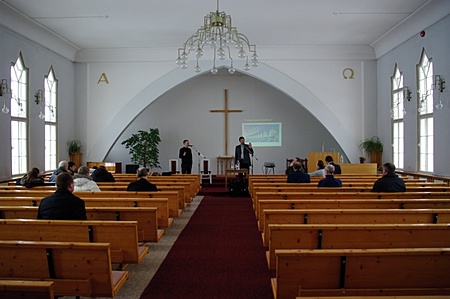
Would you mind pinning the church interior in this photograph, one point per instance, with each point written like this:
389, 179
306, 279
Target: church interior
316, 77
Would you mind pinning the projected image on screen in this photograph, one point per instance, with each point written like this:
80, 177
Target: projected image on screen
262, 134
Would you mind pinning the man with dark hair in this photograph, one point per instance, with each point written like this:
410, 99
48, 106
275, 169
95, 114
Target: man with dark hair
101, 174
242, 154
389, 182
298, 176
62, 205
337, 167
142, 184
186, 158
329, 180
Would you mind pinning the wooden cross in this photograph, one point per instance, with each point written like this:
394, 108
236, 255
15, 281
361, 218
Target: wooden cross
226, 111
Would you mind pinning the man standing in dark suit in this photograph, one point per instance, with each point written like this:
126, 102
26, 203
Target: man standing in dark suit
62, 205
142, 184
337, 167
186, 158
242, 154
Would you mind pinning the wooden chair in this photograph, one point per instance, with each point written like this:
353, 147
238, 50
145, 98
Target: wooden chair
174, 166
205, 171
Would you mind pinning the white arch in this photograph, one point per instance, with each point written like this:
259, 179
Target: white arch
264, 73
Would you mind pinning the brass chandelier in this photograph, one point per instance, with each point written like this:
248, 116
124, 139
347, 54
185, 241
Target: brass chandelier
224, 39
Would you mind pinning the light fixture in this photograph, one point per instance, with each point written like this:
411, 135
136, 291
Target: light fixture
406, 93
218, 33
4, 91
439, 83
40, 99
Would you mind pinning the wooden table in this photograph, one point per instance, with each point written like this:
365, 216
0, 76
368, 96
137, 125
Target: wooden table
234, 172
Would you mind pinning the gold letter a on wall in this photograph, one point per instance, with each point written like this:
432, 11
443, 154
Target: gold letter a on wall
103, 79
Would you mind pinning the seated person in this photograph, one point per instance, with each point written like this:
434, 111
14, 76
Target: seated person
291, 165
337, 167
389, 182
142, 184
32, 179
62, 167
320, 169
101, 174
298, 176
83, 182
72, 168
62, 205
329, 180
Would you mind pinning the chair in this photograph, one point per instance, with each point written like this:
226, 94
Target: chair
268, 166
205, 171
174, 166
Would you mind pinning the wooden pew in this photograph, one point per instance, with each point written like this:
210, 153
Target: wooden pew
352, 216
122, 235
332, 272
192, 178
174, 197
145, 217
20, 289
298, 204
76, 269
360, 236
162, 212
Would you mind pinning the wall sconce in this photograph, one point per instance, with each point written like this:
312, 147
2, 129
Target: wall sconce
439, 83
406, 93
4, 90
40, 99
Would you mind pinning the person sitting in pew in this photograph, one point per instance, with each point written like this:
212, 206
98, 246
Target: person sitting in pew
32, 179
389, 182
83, 182
142, 184
298, 176
62, 167
101, 174
62, 205
320, 169
337, 167
329, 180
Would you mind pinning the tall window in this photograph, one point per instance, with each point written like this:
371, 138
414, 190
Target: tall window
19, 113
397, 113
425, 115
49, 110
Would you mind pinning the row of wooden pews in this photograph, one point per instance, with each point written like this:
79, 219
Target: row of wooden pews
348, 242
84, 258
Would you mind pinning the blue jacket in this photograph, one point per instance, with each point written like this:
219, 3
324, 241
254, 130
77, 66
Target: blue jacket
330, 181
298, 177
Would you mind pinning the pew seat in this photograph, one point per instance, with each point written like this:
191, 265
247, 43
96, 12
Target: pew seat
20, 289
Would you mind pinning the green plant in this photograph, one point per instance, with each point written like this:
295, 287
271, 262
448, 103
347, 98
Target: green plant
73, 146
143, 148
371, 145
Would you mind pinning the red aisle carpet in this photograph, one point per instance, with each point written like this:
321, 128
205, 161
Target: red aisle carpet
219, 254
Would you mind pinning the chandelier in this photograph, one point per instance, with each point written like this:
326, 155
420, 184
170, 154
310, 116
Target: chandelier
224, 39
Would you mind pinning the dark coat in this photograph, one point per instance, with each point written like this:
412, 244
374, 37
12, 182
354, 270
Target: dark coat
185, 158
298, 177
141, 185
102, 175
330, 181
55, 174
62, 205
337, 168
390, 182
247, 151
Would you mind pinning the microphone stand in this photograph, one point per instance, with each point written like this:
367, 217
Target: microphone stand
252, 155
198, 157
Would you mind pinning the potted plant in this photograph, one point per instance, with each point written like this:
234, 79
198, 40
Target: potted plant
143, 148
74, 149
374, 147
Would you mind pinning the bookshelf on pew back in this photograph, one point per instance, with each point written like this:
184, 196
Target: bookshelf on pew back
162, 212
76, 269
352, 216
122, 235
362, 236
145, 217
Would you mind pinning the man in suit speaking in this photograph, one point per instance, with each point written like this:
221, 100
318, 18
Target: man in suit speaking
242, 154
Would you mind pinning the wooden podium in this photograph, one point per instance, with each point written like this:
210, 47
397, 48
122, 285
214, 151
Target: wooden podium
313, 157
224, 163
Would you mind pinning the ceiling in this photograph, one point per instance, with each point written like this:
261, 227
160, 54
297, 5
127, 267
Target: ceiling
101, 24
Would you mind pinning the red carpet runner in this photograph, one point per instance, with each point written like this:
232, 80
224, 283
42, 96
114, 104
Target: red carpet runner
219, 254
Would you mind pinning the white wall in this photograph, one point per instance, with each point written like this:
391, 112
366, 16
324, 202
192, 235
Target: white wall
407, 55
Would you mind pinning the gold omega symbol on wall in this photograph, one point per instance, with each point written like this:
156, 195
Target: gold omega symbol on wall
348, 73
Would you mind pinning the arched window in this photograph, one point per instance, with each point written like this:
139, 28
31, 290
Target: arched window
19, 117
48, 112
425, 115
397, 113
